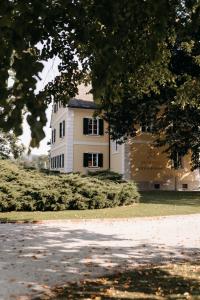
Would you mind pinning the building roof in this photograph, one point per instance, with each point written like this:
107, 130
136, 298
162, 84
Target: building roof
78, 103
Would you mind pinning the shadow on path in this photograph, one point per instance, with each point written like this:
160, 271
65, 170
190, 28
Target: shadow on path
33, 258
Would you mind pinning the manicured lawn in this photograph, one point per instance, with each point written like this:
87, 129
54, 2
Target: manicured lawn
174, 281
151, 204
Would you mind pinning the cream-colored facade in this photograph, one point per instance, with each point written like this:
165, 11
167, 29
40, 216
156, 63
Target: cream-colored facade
75, 149
68, 149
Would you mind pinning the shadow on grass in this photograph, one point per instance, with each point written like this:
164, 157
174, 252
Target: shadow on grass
141, 283
171, 198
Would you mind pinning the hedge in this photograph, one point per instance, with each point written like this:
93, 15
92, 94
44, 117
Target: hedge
106, 174
31, 190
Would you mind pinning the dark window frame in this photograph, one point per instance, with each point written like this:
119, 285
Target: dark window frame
95, 158
93, 126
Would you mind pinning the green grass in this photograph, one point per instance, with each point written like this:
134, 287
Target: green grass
151, 204
173, 281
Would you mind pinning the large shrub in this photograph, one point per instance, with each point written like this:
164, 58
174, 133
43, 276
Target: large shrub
106, 174
30, 190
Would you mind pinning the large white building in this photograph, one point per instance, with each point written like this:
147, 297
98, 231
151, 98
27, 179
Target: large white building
80, 143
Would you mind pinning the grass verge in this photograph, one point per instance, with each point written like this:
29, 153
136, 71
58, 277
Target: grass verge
151, 204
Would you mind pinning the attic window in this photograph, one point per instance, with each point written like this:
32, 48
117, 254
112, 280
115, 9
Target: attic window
177, 161
147, 127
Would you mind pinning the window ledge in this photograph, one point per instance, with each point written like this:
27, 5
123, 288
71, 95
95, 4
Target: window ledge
97, 135
93, 167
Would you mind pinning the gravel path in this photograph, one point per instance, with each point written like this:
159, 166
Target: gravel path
36, 257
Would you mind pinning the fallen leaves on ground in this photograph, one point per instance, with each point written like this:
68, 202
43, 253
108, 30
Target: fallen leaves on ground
173, 281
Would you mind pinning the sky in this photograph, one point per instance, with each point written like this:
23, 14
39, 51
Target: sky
49, 72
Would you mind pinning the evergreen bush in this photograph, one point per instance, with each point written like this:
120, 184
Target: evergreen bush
106, 174
32, 190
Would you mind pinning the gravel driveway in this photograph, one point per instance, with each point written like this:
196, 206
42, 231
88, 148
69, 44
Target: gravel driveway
36, 257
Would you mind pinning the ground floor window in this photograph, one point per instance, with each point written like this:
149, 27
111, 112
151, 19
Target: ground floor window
57, 162
93, 160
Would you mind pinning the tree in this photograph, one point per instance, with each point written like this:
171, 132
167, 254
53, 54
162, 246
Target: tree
176, 126
10, 146
124, 48
36, 161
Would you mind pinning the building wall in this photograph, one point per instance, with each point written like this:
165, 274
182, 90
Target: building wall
78, 157
87, 143
137, 160
117, 158
79, 115
150, 166
59, 147
75, 143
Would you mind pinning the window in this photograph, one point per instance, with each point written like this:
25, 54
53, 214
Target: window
63, 162
53, 136
60, 161
157, 186
114, 147
53, 163
147, 127
62, 129
57, 161
177, 161
184, 186
93, 126
93, 160
55, 107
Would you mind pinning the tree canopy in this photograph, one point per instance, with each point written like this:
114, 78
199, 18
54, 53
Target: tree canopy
132, 52
173, 110
10, 146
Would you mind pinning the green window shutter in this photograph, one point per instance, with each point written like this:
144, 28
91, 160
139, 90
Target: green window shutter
85, 159
85, 125
60, 133
101, 127
100, 160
